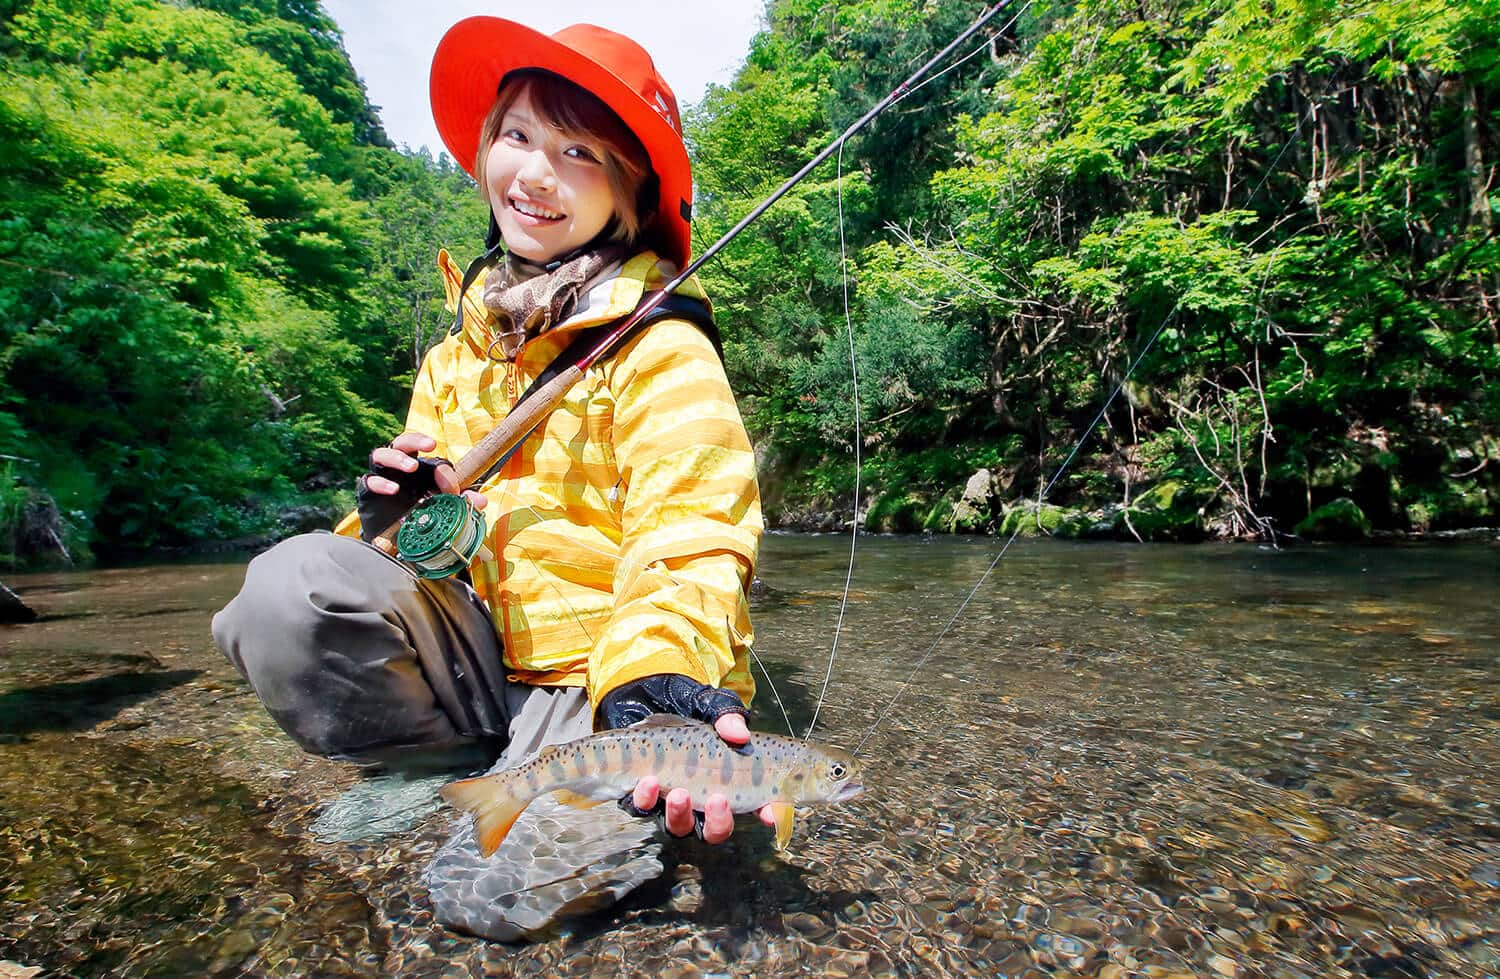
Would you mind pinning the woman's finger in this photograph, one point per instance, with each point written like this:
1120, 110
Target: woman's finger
381, 485
732, 728
647, 790
679, 812
393, 458
476, 499
413, 442
718, 821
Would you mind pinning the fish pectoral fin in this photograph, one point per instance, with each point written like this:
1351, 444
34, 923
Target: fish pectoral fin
784, 814
495, 810
577, 800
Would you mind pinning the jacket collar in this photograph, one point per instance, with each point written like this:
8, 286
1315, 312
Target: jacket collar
610, 299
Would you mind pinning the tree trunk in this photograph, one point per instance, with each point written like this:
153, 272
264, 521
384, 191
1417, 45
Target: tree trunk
1479, 191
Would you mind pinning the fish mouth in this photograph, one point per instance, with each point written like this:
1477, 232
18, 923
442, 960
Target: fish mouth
847, 792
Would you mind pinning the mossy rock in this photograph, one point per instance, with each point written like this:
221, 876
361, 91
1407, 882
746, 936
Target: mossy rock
1105, 524
1339, 519
1166, 495
959, 517
969, 510
943, 516
895, 513
1040, 521
1419, 516
1169, 510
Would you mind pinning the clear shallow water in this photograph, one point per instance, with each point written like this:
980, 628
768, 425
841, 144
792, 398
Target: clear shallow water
1122, 760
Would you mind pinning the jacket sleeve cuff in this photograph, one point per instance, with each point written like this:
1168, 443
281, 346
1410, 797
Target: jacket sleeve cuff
665, 662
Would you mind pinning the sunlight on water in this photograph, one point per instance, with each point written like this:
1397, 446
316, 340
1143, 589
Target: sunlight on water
1122, 760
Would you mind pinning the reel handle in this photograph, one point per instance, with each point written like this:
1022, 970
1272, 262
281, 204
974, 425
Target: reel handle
501, 441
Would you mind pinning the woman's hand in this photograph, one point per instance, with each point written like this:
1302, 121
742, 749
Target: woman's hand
671, 693
718, 820
398, 478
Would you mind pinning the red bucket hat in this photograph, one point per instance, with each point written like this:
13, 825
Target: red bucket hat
478, 52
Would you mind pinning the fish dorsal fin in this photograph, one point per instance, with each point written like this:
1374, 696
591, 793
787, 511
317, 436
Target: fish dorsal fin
667, 720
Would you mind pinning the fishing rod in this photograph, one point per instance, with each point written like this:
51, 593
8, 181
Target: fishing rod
445, 531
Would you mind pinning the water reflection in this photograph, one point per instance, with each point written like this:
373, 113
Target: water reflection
1119, 761
82, 705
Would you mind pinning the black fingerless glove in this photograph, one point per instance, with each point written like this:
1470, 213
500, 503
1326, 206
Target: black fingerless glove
667, 693
378, 511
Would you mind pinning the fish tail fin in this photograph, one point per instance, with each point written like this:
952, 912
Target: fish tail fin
495, 809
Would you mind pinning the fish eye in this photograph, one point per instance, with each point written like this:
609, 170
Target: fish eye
838, 770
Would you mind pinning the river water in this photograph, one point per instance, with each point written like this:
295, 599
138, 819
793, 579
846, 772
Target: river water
1216, 760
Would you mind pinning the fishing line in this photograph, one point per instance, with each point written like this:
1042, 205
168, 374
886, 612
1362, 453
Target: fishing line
1072, 454
854, 370
776, 695
1077, 446
966, 58
838, 627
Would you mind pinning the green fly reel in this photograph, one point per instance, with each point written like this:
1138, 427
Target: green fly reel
440, 537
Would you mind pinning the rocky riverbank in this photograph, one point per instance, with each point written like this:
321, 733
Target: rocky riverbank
1171, 510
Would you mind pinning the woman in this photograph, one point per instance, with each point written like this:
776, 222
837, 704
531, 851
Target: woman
622, 534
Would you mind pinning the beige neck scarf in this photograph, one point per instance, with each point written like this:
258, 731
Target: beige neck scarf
528, 300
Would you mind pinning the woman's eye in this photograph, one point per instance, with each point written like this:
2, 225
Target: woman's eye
515, 135
583, 153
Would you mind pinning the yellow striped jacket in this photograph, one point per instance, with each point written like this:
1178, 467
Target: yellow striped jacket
624, 530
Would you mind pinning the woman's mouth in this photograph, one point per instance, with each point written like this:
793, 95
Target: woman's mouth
535, 211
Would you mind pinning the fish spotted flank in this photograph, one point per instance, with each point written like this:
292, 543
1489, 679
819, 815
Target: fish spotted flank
770, 770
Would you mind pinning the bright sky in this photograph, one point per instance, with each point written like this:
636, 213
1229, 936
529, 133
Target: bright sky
693, 42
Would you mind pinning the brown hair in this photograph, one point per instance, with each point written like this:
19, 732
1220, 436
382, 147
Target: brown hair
575, 110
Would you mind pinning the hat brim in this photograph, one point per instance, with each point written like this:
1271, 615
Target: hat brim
478, 52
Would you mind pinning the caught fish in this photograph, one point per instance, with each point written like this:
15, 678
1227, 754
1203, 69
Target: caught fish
770, 770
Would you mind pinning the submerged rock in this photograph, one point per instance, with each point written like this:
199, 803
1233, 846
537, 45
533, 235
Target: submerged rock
12, 609
15, 970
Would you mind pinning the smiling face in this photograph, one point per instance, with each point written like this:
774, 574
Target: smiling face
548, 188
558, 167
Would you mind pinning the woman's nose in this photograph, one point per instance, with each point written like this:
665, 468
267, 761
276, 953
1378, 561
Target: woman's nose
537, 171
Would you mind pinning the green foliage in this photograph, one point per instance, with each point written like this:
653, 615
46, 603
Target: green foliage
192, 337
420, 204
216, 280
1294, 203
916, 375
